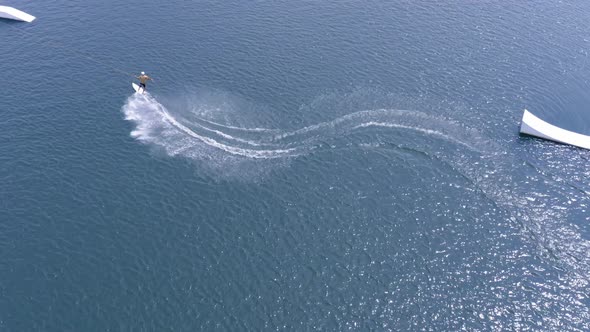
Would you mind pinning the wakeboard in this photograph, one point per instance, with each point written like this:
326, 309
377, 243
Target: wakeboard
137, 88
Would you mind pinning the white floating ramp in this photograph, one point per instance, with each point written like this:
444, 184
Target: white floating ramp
15, 14
532, 125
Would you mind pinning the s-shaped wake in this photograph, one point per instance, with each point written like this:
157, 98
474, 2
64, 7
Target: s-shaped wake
205, 139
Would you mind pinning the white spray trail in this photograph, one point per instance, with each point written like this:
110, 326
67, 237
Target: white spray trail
196, 139
156, 125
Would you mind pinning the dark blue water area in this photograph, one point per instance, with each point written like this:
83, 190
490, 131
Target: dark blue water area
333, 165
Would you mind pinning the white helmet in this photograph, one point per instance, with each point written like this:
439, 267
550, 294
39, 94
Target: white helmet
143, 72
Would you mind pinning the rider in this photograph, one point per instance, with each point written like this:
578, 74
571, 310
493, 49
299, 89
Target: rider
143, 78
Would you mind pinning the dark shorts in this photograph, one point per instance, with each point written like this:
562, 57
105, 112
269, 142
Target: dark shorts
142, 85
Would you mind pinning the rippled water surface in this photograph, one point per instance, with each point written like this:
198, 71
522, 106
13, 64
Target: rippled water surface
306, 165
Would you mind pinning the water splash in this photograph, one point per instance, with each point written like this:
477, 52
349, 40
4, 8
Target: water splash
201, 138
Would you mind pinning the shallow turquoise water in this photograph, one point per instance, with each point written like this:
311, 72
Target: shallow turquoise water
296, 166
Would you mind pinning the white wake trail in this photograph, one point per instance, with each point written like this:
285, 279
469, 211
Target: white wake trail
422, 130
203, 139
256, 130
233, 150
148, 114
230, 137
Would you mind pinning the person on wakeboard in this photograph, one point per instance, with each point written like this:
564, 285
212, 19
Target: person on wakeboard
143, 78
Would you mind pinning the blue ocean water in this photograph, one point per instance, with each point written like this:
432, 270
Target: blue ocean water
333, 165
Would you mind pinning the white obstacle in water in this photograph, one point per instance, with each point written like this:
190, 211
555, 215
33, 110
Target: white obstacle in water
532, 125
15, 14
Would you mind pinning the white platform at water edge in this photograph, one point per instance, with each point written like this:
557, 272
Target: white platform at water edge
15, 14
532, 125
